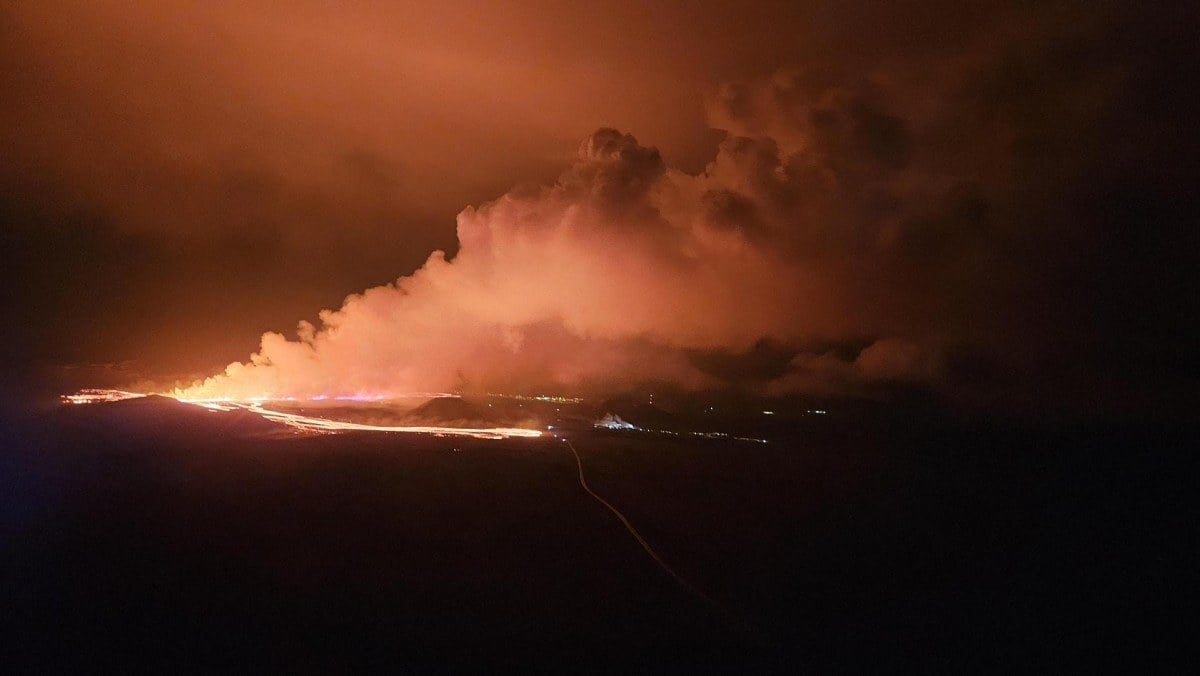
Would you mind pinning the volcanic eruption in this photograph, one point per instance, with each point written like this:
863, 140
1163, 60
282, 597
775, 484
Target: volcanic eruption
626, 272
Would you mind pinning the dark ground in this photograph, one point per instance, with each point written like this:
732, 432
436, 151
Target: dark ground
152, 535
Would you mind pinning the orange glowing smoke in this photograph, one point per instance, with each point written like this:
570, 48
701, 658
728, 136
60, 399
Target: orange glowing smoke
615, 276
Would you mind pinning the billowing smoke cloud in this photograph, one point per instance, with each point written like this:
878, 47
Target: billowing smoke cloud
626, 272
990, 199
933, 222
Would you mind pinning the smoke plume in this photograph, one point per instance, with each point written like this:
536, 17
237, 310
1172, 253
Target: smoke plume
926, 223
626, 272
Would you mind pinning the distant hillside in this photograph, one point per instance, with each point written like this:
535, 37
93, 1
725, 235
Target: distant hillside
155, 415
459, 412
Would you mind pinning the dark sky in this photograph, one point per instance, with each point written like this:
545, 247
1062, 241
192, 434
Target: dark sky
995, 200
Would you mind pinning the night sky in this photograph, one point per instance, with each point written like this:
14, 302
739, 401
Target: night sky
993, 203
614, 337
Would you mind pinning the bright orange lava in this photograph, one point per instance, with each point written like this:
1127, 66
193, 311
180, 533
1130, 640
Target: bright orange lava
310, 423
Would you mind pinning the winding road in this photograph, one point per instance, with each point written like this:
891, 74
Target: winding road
739, 622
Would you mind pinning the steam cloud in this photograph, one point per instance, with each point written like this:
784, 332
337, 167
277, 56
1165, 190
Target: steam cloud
842, 235
992, 200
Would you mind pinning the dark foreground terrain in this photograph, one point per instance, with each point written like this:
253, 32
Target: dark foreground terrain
148, 534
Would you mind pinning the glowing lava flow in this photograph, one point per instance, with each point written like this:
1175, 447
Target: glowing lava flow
99, 396
308, 423
311, 424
